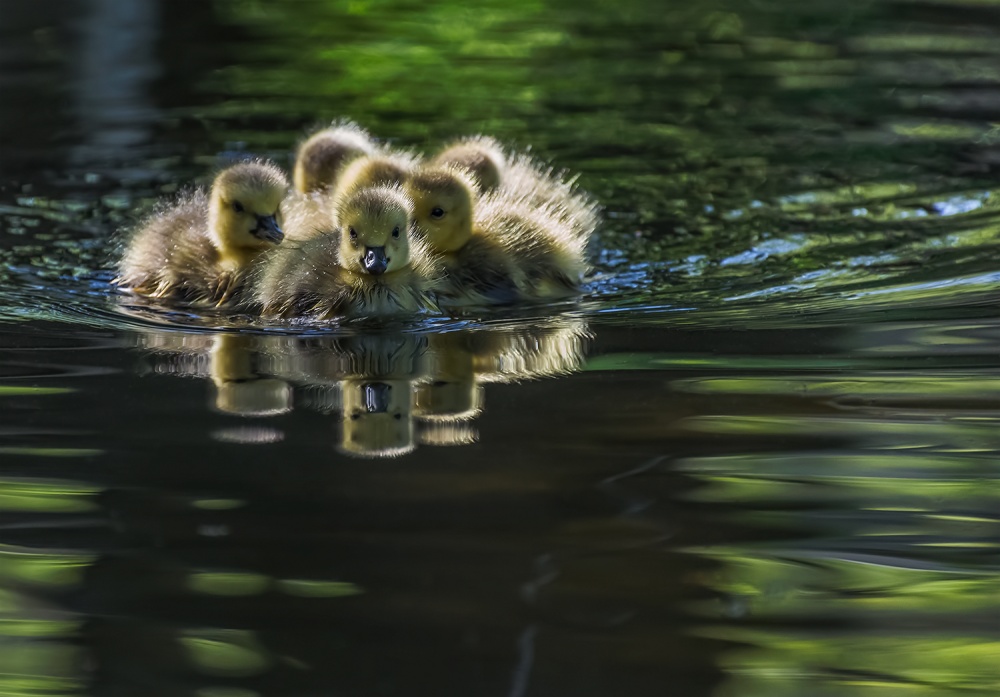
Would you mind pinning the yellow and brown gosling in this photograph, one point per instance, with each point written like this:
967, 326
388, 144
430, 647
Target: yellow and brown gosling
495, 249
480, 269
201, 248
369, 265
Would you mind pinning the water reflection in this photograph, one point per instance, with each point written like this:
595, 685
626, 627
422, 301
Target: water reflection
873, 484
388, 391
738, 514
770, 471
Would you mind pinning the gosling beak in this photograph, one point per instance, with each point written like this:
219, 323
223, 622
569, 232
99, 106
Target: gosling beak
267, 229
375, 261
376, 396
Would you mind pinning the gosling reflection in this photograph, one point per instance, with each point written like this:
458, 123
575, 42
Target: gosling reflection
388, 392
377, 418
240, 388
232, 363
452, 394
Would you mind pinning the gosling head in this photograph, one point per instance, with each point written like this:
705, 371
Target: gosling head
244, 215
374, 230
480, 156
374, 170
443, 198
322, 157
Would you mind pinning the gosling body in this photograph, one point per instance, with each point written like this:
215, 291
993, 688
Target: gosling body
527, 181
202, 248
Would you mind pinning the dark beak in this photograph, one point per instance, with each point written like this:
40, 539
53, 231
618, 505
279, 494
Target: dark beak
375, 260
267, 229
376, 397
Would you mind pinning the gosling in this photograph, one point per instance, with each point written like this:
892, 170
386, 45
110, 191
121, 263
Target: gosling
202, 248
370, 265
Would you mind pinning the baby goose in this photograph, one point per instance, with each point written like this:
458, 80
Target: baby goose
521, 178
495, 249
480, 269
201, 248
370, 265
320, 158
480, 156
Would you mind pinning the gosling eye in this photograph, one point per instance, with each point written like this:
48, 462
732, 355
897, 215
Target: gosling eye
395, 231
437, 213
237, 206
354, 234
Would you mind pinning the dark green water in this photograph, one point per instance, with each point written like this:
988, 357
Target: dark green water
760, 456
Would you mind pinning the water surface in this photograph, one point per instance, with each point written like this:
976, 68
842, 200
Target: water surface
757, 456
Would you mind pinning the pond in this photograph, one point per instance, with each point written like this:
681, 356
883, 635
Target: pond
759, 455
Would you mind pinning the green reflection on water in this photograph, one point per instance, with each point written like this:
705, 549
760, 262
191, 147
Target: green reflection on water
305, 588
758, 175
54, 497
859, 664
49, 452
857, 387
29, 391
385, 58
226, 653
225, 692
797, 584
218, 504
228, 583
981, 431
33, 670
42, 568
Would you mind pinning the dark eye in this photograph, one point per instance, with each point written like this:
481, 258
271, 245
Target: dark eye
395, 231
437, 213
237, 206
354, 234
